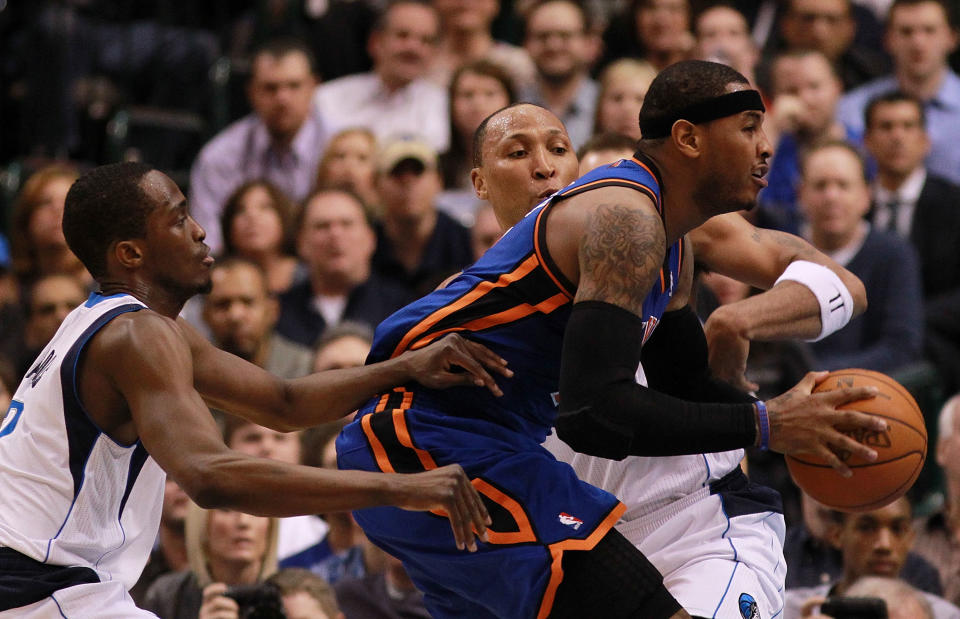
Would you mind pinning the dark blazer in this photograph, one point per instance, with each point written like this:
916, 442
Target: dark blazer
369, 303
935, 233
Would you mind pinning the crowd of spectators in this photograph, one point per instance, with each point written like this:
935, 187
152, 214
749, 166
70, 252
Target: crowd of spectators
327, 146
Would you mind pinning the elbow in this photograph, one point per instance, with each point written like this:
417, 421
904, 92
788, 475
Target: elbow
586, 432
206, 487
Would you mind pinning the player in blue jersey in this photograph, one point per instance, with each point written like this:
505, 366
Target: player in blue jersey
120, 395
567, 296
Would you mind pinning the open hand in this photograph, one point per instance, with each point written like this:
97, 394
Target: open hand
456, 361
448, 491
802, 422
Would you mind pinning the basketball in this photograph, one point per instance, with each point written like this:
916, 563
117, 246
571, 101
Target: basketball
901, 450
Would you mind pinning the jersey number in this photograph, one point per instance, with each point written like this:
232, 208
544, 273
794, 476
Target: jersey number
12, 417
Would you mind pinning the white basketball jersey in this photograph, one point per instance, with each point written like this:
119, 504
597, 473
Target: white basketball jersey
69, 494
647, 485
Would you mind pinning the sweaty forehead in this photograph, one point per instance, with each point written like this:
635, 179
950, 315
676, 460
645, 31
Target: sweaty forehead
160, 189
522, 121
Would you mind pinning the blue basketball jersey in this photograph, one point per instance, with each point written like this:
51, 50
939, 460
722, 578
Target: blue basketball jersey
515, 301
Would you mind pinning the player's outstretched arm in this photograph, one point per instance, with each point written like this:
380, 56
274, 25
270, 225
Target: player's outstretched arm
815, 297
232, 384
147, 361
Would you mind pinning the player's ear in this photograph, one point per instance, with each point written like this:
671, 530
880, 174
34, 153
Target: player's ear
686, 138
479, 183
128, 253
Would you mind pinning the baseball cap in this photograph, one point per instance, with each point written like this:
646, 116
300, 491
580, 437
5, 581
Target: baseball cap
407, 148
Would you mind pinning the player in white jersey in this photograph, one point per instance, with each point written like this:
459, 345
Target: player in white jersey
118, 397
678, 506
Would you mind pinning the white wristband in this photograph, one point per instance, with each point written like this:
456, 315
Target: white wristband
836, 303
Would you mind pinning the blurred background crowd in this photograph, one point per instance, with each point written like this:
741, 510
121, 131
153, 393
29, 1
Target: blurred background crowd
326, 147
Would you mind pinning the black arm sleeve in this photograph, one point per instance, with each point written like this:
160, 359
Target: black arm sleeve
604, 412
675, 361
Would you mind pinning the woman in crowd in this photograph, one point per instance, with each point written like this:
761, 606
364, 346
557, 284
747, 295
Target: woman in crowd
257, 224
623, 86
38, 247
224, 549
477, 90
350, 162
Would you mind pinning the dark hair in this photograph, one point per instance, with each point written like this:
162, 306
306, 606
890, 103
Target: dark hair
833, 143
104, 206
948, 11
481, 133
896, 96
283, 46
847, 3
683, 84
452, 161
347, 328
282, 206
608, 140
232, 262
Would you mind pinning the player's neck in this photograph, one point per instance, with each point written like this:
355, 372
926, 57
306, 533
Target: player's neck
165, 303
680, 212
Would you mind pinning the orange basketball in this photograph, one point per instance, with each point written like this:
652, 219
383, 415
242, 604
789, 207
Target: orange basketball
901, 450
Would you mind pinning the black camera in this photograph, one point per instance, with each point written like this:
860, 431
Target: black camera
854, 608
259, 601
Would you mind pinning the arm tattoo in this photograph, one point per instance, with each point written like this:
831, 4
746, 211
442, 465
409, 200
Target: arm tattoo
620, 256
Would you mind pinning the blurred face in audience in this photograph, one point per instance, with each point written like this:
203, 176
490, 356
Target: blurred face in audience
875, 543
350, 162
239, 310
475, 97
280, 92
467, 15
623, 88
335, 240
409, 190
175, 503
46, 221
344, 352
723, 35
556, 40
485, 231
526, 157
257, 228
896, 138
834, 196
810, 81
824, 25
664, 25
919, 38
236, 538
402, 50
51, 299
302, 605
597, 158
262, 442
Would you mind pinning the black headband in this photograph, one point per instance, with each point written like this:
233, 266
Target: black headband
705, 111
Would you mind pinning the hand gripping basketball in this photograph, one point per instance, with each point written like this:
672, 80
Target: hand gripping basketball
804, 423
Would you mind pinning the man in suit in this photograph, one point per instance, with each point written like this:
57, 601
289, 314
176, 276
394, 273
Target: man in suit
923, 208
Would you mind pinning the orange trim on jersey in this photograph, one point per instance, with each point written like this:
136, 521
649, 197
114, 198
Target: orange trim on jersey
680, 258
653, 174
513, 314
403, 435
382, 404
525, 534
482, 289
557, 550
663, 283
539, 253
378, 451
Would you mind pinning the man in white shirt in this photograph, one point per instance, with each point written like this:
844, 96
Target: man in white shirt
394, 98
